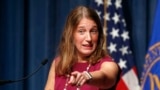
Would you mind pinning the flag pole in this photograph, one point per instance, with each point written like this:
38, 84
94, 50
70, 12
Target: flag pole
105, 26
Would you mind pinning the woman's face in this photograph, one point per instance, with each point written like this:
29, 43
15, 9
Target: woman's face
85, 37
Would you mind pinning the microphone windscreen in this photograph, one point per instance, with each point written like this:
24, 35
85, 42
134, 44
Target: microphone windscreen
44, 61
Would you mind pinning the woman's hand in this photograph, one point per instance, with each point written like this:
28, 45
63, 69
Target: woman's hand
79, 78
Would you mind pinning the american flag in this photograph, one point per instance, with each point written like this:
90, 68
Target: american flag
118, 41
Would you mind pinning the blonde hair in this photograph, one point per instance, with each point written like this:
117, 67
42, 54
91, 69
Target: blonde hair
66, 50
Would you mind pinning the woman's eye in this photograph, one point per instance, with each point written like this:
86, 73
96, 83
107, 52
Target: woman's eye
94, 31
81, 31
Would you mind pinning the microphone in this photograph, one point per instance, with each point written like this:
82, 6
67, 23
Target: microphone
3, 82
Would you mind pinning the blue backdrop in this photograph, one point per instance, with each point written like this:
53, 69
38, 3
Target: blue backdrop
30, 32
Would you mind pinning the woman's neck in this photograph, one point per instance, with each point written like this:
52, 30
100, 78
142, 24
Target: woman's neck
83, 59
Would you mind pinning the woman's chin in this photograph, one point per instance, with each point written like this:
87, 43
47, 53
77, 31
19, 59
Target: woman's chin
87, 53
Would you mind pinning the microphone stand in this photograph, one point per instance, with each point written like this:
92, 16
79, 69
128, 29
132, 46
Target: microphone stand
3, 82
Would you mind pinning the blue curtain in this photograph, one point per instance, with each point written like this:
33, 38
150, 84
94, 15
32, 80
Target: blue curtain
140, 23
30, 31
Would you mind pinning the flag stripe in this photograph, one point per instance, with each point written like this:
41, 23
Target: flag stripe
121, 85
130, 80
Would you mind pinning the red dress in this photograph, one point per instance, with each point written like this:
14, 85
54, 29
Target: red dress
60, 81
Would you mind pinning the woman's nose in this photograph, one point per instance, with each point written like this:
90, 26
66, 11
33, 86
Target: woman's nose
88, 37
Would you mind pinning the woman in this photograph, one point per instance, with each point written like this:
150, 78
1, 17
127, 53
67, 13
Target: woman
82, 63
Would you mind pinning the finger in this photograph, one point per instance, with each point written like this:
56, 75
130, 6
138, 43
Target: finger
74, 73
79, 81
83, 79
82, 82
77, 75
72, 80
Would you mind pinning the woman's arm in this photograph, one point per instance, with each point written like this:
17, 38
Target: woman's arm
106, 77
51, 78
103, 78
